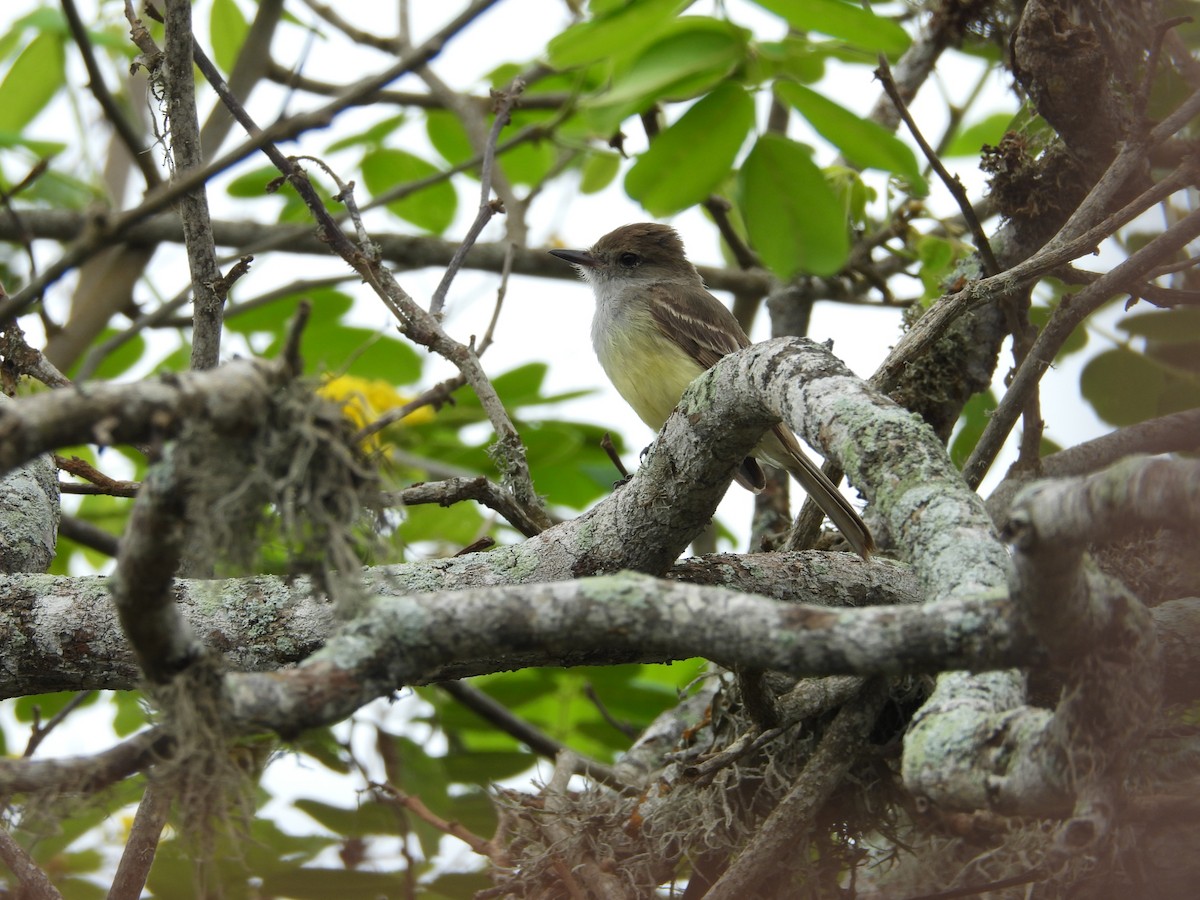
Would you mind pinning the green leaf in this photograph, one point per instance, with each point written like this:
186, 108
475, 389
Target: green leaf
357, 351
569, 465
1076, 341
457, 525
970, 140
794, 57
372, 137
120, 360
971, 423
43, 19
621, 32
794, 219
474, 809
599, 169
936, 256
227, 30
1168, 325
131, 715
360, 821
693, 54
528, 163
328, 307
863, 142
77, 888
253, 184
690, 159
431, 208
62, 191
483, 769
521, 386
80, 862
323, 746
34, 77
38, 148
43, 706
456, 885
1123, 386
844, 20
448, 136
65, 830
1179, 394
311, 883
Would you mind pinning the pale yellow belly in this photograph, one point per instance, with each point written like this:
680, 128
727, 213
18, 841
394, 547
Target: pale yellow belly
648, 371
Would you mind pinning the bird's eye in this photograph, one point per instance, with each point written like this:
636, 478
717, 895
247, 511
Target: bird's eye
629, 260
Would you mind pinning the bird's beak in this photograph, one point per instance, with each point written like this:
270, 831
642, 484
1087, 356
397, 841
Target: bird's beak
577, 258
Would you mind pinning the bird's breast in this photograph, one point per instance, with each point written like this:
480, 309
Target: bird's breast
648, 370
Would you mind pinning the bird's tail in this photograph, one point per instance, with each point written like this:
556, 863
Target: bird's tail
823, 491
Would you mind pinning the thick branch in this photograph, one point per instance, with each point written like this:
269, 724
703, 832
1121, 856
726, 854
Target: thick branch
627, 617
30, 513
72, 639
147, 559
233, 398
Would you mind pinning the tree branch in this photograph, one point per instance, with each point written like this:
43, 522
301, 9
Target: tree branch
134, 868
34, 882
184, 126
1062, 322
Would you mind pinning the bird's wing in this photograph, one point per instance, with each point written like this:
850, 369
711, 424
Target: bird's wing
697, 321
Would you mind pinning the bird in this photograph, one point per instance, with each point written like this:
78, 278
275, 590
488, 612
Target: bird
656, 328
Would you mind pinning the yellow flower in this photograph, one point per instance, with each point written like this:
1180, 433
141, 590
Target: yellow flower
363, 400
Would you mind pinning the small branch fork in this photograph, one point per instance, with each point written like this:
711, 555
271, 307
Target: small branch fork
1099, 638
505, 101
1090, 224
415, 322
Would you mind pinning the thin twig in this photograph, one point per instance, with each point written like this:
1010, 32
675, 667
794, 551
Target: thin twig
607, 445
40, 732
537, 740
414, 321
81, 468
1062, 322
163, 317
487, 207
156, 201
785, 832
292, 79
952, 183
6, 197
34, 882
731, 753
367, 38
718, 207
625, 728
455, 490
88, 773
128, 135
85, 533
1082, 233
25, 360
389, 793
134, 868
